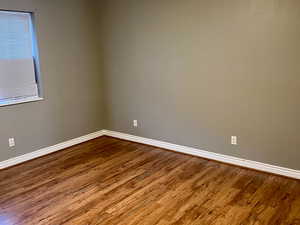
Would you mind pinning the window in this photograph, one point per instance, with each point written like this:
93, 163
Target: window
18, 59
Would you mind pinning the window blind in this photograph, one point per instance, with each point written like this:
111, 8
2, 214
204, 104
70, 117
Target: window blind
17, 69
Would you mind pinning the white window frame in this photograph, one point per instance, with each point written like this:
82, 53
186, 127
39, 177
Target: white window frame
35, 53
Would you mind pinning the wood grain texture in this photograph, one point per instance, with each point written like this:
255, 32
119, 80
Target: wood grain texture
109, 181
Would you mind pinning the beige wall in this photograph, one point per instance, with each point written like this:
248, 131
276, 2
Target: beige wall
71, 80
192, 72
195, 72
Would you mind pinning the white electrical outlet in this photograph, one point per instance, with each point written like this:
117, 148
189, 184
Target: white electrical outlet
135, 123
11, 142
234, 140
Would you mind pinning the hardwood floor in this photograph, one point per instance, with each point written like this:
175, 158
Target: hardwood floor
108, 181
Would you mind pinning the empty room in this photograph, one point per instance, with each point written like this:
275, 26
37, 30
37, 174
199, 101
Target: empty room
144, 112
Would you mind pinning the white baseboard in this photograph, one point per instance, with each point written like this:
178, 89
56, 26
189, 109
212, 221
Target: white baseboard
48, 150
208, 155
161, 144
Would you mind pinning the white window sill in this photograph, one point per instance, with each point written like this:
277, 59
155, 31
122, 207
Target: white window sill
19, 101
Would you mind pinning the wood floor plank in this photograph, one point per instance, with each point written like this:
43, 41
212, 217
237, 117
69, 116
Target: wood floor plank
108, 181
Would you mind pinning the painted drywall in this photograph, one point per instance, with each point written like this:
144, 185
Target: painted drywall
195, 72
71, 81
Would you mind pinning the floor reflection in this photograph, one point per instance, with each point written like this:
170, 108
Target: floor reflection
6, 220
